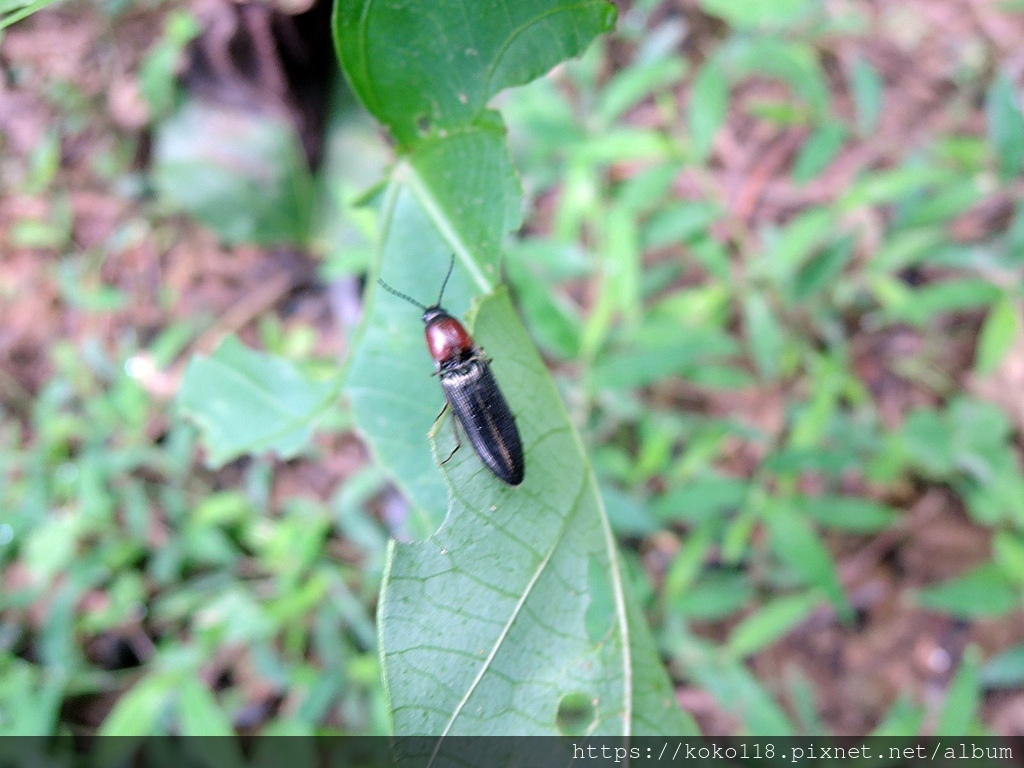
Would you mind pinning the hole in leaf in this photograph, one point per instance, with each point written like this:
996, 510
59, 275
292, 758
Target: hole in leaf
576, 714
423, 125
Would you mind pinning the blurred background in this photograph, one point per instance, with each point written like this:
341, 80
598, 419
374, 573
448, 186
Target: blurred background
773, 254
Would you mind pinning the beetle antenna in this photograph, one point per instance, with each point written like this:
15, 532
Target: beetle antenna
400, 295
444, 285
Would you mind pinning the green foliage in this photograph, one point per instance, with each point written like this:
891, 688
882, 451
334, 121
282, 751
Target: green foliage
724, 377
433, 206
246, 402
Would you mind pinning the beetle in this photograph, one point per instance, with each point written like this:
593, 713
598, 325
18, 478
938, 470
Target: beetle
470, 389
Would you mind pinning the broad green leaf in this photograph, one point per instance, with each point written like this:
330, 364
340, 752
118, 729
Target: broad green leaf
769, 623
1005, 125
983, 591
241, 173
1001, 327
430, 68
248, 402
487, 625
960, 710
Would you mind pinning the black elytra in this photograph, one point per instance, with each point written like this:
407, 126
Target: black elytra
471, 390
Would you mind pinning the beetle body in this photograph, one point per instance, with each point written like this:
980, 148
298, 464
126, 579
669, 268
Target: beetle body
472, 391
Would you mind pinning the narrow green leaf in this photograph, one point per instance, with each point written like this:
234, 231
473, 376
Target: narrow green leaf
634, 83
709, 103
818, 151
138, 712
960, 710
797, 544
846, 513
983, 591
732, 685
248, 402
199, 713
1001, 327
1004, 670
748, 15
765, 338
868, 91
1005, 125
768, 624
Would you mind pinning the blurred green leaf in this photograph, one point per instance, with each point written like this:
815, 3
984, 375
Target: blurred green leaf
1001, 328
766, 339
818, 151
773, 620
868, 93
982, 591
700, 499
1005, 669
200, 714
733, 686
748, 15
713, 597
634, 83
846, 513
241, 173
1005, 125
799, 546
248, 402
709, 103
963, 698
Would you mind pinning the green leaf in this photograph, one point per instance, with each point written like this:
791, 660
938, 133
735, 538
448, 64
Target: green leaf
200, 714
983, 591
846, 513
1001, 327
732, 685
868, 91
748, 15
765, 337
768, 624
709, 103
797, 544
138, 712
248, 402
1004, 670
426, 68
1005, 125
634, 83
818, 151
960, 710
241, 173
499, 599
